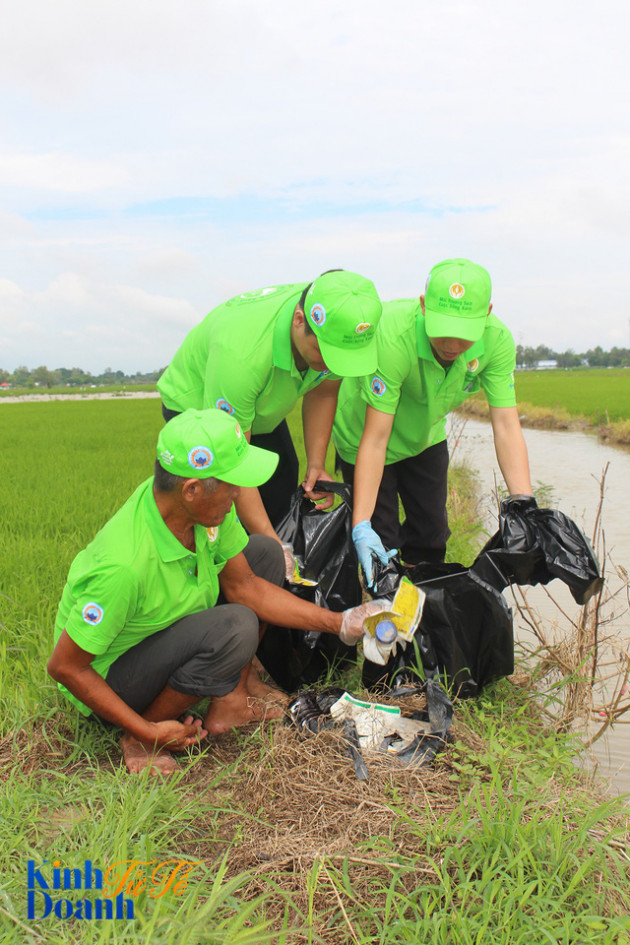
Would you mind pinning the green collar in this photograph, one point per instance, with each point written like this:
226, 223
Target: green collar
168, 546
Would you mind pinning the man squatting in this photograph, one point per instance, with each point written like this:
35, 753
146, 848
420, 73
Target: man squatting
167, 604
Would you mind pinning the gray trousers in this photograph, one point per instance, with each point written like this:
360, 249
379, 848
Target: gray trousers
202, 654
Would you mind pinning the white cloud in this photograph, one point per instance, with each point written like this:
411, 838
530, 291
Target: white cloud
59, 172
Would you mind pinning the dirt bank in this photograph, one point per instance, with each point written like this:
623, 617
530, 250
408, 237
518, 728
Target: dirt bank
544, 418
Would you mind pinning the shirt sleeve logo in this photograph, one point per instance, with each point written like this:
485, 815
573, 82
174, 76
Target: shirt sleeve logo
318, 314
225, 405
92, 613
200, 457
361, 327
378, 386
457, 291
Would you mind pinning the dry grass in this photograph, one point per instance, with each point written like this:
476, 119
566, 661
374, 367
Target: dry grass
588, 665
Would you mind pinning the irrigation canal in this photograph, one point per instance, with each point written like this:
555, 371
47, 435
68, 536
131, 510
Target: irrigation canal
571, 464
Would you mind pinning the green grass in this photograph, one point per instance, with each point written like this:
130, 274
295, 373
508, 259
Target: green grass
592, 393
503, 843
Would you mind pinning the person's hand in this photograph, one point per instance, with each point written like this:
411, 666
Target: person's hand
519, 503
352, 619
289, 560
324, 500
367, 543
176, 736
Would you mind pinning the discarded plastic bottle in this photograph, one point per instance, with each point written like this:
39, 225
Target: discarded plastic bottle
385, 631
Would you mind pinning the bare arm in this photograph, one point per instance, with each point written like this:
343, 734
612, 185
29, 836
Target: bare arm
511, 449
318, 413
71, 666
273, 604
370, 462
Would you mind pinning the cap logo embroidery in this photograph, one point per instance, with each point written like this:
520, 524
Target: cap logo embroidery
92, 613
200, 456
361, 327
318, 314
239, 432
166, 458
225, 405
472, 365
378, 386
457, 291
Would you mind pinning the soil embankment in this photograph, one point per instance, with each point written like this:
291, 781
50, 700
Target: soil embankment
615, 433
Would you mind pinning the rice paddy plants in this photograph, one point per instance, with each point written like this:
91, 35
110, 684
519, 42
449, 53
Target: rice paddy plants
266, 836
593, 393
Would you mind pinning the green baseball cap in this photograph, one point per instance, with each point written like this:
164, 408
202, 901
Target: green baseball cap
456, 300
198, 444
343, 309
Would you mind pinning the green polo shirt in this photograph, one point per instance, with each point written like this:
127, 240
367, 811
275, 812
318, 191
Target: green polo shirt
239, 359
410, 384
136, 578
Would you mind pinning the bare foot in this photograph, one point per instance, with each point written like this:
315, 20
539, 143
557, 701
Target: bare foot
227, 713
137, 757
261, 690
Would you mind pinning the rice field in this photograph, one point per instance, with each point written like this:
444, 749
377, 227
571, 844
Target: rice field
601, 395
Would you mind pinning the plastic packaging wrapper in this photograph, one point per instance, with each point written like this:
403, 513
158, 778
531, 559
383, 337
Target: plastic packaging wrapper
370, 729
324, 552
533, 546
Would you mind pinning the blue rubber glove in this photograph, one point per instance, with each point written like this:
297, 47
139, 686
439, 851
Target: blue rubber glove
367, 543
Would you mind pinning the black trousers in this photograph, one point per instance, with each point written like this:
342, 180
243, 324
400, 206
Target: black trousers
202, 654
276, 492
421, 483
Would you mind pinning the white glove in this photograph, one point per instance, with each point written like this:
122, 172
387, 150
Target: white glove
352, 619
289, 560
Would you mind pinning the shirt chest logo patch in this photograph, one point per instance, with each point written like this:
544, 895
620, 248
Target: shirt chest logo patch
225, 405
92, 613
473, 365
378, 386
213, 533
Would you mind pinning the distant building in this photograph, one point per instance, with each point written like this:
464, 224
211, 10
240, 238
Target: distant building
546, 365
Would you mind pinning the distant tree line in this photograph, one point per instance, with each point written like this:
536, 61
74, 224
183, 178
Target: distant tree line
76, 377
73, 377
594, 357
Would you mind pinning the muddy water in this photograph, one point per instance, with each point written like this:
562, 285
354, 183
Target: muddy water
571, 464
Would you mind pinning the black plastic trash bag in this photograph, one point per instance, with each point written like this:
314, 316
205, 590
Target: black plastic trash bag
465, 632
309, 712
322, 544
466, 629
533, 546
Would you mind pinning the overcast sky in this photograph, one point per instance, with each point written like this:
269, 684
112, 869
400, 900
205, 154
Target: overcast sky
158, 157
